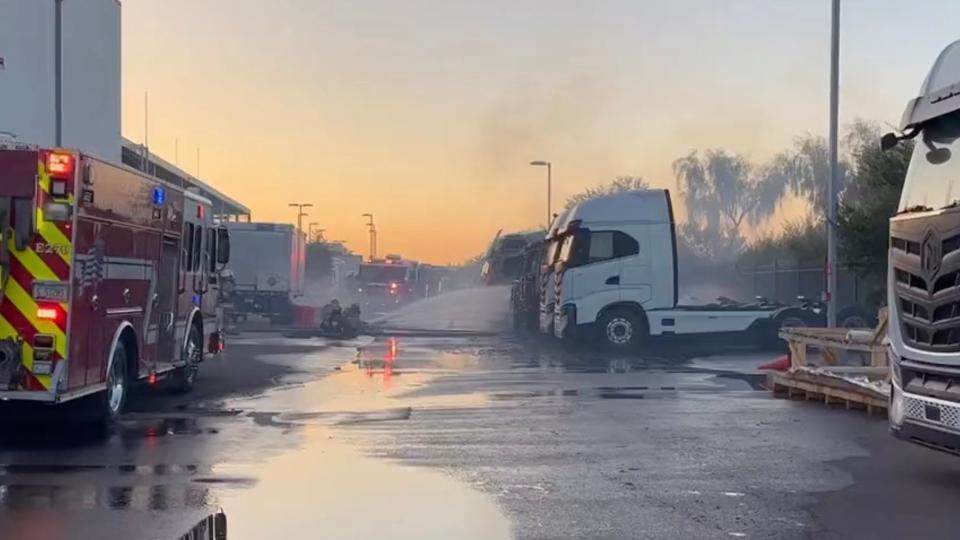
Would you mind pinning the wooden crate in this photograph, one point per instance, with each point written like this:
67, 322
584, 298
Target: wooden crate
830, 390
825, 382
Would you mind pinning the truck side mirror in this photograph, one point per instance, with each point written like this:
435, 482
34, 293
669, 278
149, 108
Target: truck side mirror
888, 141
223, 246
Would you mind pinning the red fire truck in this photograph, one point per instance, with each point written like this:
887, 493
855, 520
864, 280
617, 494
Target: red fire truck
108, 276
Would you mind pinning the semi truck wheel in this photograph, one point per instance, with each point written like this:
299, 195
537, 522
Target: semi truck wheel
788, 318
855, 317
621, 329
184, 377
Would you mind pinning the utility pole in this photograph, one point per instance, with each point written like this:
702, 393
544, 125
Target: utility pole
831, 267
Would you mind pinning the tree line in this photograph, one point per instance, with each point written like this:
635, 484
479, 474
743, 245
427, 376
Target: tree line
726, 195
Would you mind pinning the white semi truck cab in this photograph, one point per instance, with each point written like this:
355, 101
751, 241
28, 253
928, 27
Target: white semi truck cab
923, 281
615, 278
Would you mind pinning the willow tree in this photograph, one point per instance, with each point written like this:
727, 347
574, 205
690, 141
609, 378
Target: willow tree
722, 194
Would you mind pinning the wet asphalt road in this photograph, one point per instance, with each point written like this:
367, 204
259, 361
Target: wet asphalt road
475, 438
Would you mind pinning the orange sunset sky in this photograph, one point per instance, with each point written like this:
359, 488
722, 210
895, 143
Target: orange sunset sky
426, 113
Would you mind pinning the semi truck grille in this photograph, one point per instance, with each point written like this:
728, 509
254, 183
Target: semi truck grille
942, 414
925, 261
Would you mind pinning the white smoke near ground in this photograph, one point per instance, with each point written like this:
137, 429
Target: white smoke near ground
481, 309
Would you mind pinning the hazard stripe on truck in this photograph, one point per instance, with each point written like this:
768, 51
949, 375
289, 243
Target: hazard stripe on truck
18, 312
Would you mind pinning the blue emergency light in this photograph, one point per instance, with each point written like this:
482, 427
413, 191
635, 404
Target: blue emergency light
159, 195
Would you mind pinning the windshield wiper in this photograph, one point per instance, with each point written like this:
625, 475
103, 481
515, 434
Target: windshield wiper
914, 209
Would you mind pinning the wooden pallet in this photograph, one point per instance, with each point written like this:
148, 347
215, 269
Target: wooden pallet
823, 387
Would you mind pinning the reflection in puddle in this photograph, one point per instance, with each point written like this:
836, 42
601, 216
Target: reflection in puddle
159, 469
130, 431
325, 489
212, 527
92, 497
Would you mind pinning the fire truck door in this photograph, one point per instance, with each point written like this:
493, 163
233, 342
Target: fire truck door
166, 303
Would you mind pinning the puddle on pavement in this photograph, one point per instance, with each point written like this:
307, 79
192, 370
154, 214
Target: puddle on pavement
327, 490
601, 392
366, 387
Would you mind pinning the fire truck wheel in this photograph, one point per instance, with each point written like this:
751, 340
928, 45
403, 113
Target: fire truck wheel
184, 377
114, 399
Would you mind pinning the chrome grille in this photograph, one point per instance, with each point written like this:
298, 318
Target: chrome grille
926, 279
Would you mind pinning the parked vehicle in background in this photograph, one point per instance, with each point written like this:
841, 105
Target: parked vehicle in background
615, 278
389, 281
503, 261
924, 265
268, 269
108, 277
525, 291
545, 280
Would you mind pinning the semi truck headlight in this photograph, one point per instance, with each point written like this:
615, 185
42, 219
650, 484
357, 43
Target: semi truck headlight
894, 362
896, 406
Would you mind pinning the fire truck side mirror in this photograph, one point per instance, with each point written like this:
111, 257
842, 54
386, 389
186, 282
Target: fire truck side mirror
223, 246
87, 174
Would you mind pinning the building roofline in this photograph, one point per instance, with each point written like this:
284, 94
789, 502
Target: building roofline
243, 209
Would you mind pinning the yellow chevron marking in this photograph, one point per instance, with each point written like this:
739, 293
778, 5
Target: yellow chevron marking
50, 232
28, 308
33, 263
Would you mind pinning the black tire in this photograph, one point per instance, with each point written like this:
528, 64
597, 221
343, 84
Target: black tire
791, 317
112, 402
621, 330
855, 317
184, 377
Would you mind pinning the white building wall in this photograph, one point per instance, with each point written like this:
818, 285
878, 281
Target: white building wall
90, 74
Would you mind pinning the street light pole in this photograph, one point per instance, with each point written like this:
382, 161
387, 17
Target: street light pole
372, 229
832, 184
310, 227
549, 167
300, 214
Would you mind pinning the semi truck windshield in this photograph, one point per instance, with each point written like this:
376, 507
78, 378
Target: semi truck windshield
933, 179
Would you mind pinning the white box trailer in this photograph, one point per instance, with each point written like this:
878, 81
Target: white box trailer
268, 268
89, 85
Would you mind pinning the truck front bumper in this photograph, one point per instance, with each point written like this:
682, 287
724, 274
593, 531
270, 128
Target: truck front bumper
924, 420
566, 320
